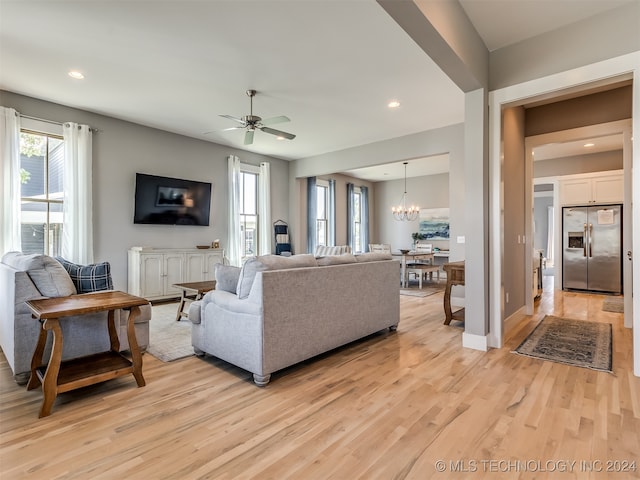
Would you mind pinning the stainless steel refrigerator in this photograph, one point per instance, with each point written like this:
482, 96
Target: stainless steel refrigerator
592, 248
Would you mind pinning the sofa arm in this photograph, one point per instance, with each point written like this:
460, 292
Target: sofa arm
194, 312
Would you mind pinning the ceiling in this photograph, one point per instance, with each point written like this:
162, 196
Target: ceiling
585, 146
330, 66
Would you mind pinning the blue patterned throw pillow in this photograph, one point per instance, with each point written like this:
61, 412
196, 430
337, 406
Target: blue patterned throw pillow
89, 278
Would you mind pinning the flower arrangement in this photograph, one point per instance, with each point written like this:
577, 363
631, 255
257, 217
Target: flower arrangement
418, 236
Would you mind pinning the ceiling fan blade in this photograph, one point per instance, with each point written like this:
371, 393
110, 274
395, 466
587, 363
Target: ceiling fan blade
248, 137
235, 119
272, 120
232, 128
278, 133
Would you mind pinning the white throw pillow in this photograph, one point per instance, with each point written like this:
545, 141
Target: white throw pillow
52, 279
227, 277
247, 274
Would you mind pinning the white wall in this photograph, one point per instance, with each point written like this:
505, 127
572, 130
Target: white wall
120, 149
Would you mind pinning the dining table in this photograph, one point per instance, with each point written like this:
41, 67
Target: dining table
409, 255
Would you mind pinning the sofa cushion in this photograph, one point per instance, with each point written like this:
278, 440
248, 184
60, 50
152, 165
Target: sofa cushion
247, 274
336, 259
227, 277
373, 257
278, 262
49, 277
89, 278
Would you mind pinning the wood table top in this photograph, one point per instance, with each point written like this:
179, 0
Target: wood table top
83, 303
203, 286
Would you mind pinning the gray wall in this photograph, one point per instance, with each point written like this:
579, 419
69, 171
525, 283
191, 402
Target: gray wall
120, 149
514, 192
430, 191
342, 216
541, 221
602, 107
595, 162
434, 142
607, 35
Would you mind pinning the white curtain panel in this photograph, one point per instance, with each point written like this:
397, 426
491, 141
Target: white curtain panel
264, 209
77, 237
10, 180
233, 250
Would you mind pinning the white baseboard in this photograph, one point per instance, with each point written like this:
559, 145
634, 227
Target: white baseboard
509, 321
476, 342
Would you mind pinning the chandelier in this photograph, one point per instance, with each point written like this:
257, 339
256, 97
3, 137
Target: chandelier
402, 212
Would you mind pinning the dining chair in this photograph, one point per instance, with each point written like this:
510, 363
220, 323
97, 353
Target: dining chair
423, 266
380, 247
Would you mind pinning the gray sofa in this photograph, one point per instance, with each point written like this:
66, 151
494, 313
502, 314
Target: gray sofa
290, 309
26, 277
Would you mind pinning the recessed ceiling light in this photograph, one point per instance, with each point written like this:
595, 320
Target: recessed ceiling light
75, 74
393, 104
279, 138
589, 144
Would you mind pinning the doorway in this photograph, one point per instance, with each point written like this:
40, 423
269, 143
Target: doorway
577, 80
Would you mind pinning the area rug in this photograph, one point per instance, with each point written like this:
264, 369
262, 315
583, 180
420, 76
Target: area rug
572, 342
613, 304
423, 292
168, 339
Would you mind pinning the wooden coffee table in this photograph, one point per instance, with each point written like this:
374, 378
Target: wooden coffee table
58, 376
192, 291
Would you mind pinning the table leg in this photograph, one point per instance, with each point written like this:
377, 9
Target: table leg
447, 303
36, 359
183, 299
50, 380
403, 271
136, 357
113, 334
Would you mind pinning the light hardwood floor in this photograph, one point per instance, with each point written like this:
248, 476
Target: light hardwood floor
388, 407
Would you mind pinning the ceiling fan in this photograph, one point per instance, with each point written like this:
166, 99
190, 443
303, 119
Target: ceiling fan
252, 123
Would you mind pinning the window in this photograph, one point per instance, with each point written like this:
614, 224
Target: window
41, 192
322, 212
358, 211
357, 220
248, 212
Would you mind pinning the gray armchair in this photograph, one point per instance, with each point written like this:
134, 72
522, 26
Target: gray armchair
26, 277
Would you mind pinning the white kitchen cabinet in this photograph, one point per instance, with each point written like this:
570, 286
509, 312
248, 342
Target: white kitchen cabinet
592, 189
153, 271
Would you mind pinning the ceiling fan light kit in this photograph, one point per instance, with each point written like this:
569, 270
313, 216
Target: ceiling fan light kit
252, 122
402, 212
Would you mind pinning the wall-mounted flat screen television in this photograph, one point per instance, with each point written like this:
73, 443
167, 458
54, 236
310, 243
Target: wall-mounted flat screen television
171, 201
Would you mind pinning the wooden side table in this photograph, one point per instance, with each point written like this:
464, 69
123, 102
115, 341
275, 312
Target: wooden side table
191, 292
455, 276
58, 376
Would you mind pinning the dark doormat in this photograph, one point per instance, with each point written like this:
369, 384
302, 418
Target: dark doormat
613, 304
572, 342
